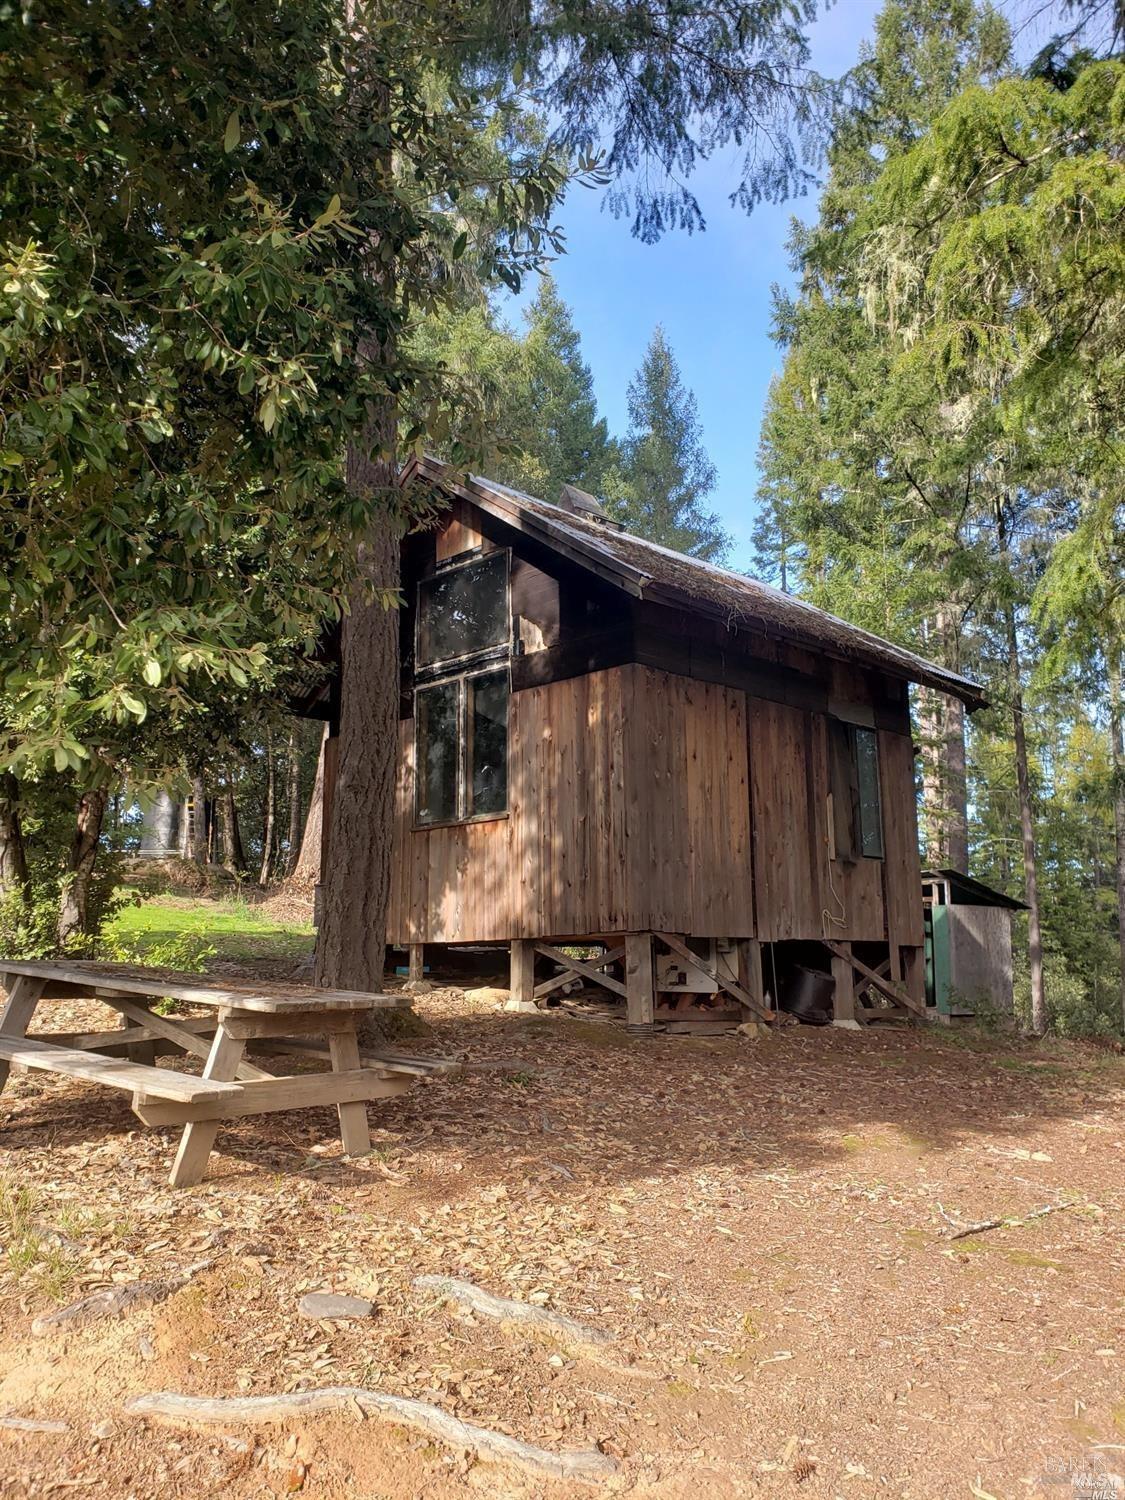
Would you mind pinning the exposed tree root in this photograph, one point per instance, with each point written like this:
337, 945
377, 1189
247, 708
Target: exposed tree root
569, 1334
114, 1301
31, 1424
584, 1464
507, 1310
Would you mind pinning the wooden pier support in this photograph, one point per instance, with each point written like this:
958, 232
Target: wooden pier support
750, 971
522, 979
914, 975
843, 995
640, 997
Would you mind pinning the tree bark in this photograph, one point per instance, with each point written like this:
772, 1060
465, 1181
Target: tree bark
233, 857
955, 798
13, 855
356, 881
1039, 1017
74, 908
930, 734
293, 794
351, 939
306, 870
270, 813
197, 848
1117, 740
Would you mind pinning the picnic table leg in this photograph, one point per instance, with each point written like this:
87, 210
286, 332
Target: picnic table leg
343, 1047
15, 1018
199, 1136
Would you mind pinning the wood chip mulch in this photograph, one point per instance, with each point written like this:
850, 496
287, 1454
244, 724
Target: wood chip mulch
764, 1227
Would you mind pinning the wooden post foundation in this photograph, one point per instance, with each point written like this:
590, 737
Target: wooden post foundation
416, 956
522, 979
640, 995
750, 971
843, 994
914, 974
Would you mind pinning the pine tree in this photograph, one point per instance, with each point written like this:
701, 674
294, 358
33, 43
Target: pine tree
568, 440
867, 474
658, 487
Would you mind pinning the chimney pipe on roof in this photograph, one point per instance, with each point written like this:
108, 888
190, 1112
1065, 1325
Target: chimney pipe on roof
580, 503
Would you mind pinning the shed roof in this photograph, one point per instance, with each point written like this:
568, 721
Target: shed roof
655, 573
970, 892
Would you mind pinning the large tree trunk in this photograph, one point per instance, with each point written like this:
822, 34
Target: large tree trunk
355, 885
1117, 738
351, 939
197, 844
1039, 1017
233, 857
306, 870
293, 795
269, 815
955, 799
930, 736
13, 856
74, 909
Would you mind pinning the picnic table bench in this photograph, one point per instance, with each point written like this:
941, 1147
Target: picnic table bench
282, 1017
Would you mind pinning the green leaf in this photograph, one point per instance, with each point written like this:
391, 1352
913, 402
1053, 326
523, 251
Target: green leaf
459, 244
152, 673
330, 214
233, 133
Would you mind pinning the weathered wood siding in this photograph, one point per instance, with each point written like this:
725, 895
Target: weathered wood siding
555, 865
641, 800
688, 822
980, 956
902, 868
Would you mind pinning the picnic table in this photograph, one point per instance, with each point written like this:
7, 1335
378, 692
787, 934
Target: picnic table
278, 1018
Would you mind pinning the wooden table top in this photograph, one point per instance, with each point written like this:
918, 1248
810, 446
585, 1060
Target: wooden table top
275, 998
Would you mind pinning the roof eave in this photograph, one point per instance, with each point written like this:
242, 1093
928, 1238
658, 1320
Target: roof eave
643, 586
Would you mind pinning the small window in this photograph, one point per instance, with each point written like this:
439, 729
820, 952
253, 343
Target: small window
461, 748
866, 748
463, 610
856, 801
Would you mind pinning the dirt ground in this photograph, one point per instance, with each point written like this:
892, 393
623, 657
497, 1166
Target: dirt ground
763, 1226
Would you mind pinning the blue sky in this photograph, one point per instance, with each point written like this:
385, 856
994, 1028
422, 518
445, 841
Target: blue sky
711, 292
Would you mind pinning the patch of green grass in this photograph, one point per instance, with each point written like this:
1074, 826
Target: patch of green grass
236, 930
29, 1253
1023, 1065
1025, 1258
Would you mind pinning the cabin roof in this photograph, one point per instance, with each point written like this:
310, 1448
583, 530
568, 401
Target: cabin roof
655, 573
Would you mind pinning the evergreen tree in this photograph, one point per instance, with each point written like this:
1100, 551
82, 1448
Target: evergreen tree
949, 410
658, 487
537, 389
869, 476
569, 442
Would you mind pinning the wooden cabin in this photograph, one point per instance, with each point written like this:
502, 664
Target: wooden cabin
693, 783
